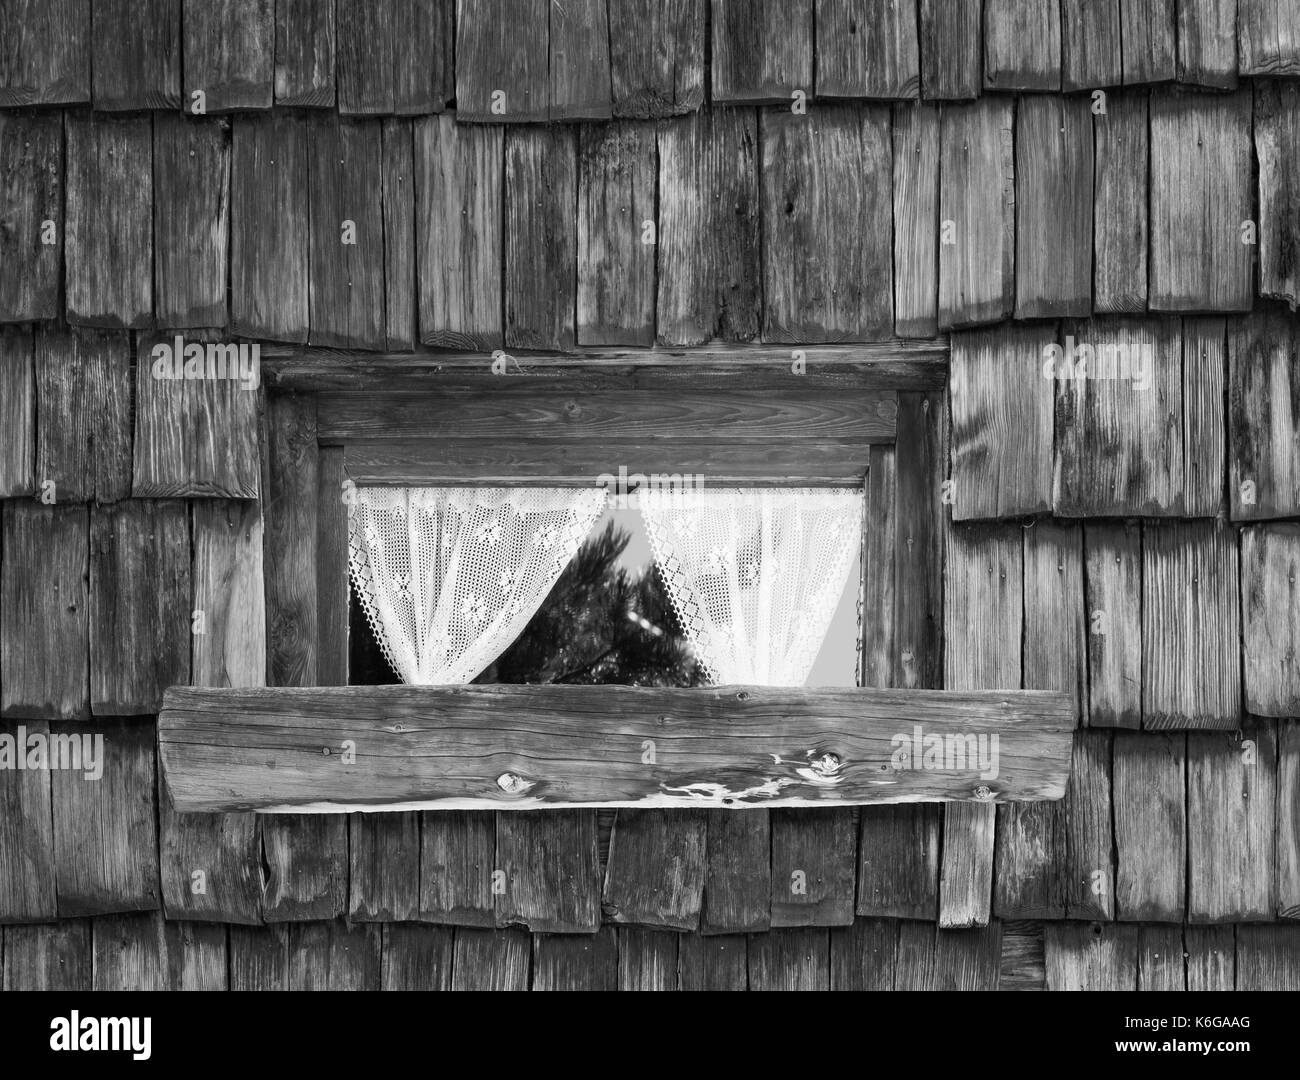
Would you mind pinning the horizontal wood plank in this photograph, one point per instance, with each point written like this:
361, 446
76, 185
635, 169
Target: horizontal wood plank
551, 746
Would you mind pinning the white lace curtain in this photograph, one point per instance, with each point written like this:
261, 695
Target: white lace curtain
755, 574
449, 577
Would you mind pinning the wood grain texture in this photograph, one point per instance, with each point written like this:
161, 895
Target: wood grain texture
48, 956
1270, 616
416, 957
1211, 955
491, 960
1277, 141
346, 303
27, 858
1022, 45
1268, 957
647, 959
83, 415
1148, 32
1268, 37
867, 48
270, 234
46, 54
395, 56
130, 952
813, 867
108, 228
305, 53
1160, 958
656, 52
1191, 666
713, 963
879, 552
919, 538
737, 872
1200, 157
827, 199
579, 61
576, 963
898, 861
258, 957
209, 865
1002, 420
210, 738
1055, 648
1090, 956
761, 52
656, 873
502, 60
31, 195
1263, 418
983, 620
541, 238
1120, 445
709, 221
1089, 871
863, 955
950, 38
105, 830
1207, 39
401, 292
191, 220
459, 173
1150, 815
17, 412
965, 959
1054, 207
790, 960
229, 54
44, 655
617, 170
976, 213
1205, 361
1113, 573
551, 872
916, 219
195, 436
136, 61
305, 856
197, 956
334, 956
1090, 44
457, 860
383, 867
1287, 852
1022, 967
1231, 824
1120, 204
140, 594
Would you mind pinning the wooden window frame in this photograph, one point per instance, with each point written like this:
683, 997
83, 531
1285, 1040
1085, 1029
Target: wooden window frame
769, 416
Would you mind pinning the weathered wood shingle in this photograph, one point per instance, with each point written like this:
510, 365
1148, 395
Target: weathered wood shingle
1200, 158
1268, 37
579, 72
137, 54
269, 234
1270, 616
1113, 572
1263, 417
395, 56
1277, 142
459, 173
1022, 45
1150, 810
109, 226
916, 220
761, 51
17, 412
502, 60
949, 31
229, 54
1207, 40
827, 199
45, 59
27, 874
867, 48
550, 873
1120, 204
1090, 44
1147, 30
656, 52
31, 215
305, 57
191, 220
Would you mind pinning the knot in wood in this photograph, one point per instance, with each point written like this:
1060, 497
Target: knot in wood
742, 695
325, 750
513, 783
983, 792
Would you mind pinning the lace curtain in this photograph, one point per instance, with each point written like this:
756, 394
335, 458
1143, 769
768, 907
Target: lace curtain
755, 574
449, 577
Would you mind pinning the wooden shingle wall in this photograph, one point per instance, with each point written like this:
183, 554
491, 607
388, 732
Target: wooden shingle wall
395, 177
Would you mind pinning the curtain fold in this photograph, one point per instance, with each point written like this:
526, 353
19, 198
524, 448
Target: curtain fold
755, 574
449, 577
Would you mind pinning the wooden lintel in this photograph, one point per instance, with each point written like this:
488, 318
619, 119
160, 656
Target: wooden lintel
325, 749
901, 364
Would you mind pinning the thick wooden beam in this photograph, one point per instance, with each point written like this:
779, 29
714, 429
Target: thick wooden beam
403, 747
